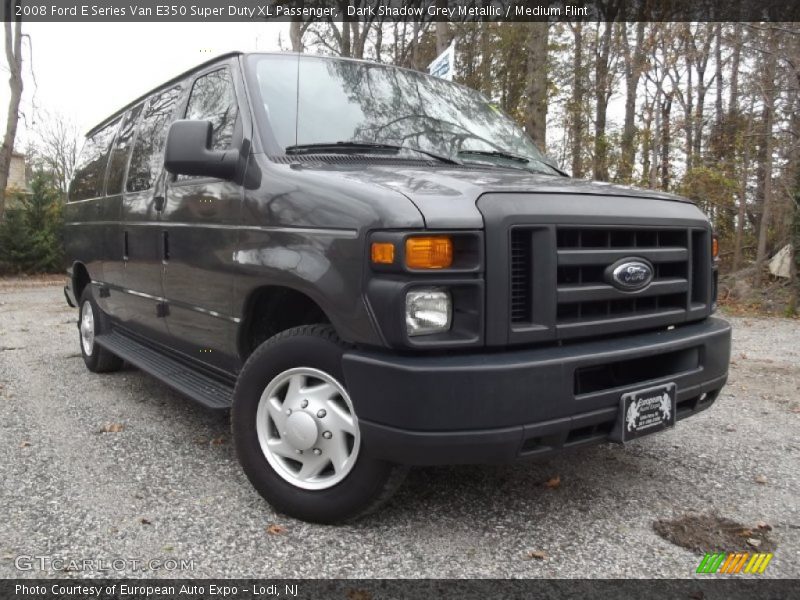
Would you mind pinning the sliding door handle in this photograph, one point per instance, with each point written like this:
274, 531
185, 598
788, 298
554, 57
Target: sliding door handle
165, 246
125, 255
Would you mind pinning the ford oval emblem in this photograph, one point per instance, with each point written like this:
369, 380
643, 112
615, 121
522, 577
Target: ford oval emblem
631, 274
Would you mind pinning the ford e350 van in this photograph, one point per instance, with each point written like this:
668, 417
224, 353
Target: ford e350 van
373, 268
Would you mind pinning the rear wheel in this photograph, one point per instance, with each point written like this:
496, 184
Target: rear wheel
91, 323
296, 431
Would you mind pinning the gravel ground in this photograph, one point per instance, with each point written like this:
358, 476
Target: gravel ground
168, 484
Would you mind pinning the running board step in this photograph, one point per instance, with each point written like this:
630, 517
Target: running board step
208, 391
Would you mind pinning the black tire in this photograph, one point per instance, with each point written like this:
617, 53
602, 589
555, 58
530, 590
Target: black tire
370, 482
97, 360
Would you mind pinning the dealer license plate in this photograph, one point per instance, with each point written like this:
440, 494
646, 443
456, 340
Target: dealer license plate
646, 411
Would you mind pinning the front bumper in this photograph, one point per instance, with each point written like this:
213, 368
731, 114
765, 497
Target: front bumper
498, 406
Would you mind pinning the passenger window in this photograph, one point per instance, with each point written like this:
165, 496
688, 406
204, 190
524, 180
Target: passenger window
90, 172
147, 157
213, 99
120, 152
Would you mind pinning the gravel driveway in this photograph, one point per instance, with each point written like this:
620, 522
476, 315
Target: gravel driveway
167, 485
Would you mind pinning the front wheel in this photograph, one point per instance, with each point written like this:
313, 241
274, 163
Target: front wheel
91, 323
296, 432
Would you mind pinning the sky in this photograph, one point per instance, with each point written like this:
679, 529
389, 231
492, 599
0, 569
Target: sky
86, 71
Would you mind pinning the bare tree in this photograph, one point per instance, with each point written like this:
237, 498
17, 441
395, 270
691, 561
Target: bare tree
56, 148
14, 60
765, 151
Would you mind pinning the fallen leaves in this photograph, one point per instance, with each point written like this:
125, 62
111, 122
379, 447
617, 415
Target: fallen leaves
275, 529
553, 483
358, 595
764, 525
730, 428
762, 479
218, 441
112, 428
536, 555
144, 521
24, 444
754, 542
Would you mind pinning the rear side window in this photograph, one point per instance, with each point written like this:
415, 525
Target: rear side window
213, 99
148, 150
120, 152
90, 172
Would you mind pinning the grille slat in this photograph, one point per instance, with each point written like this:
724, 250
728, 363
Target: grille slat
584, 293
606, 257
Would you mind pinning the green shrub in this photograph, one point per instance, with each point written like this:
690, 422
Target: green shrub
31, 232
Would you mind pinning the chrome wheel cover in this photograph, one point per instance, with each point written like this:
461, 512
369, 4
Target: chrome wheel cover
87, 328
307, 428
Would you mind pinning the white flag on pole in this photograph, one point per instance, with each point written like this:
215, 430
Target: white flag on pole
444, 65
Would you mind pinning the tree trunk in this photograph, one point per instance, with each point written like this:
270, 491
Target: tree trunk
14, 59
600, 166
633, 69
742, 212
576, 103
441, 30
765, 158
665, 140
536, 109
718, 74
296, 30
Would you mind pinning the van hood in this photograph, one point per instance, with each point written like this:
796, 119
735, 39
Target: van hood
447, 196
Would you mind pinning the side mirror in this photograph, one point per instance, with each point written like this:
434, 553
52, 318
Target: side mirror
188, 151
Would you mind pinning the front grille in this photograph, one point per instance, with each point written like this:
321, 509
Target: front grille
585, 303
584, 254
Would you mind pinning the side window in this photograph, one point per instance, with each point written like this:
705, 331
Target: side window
147, 157
213, 99
120, 151
90, 171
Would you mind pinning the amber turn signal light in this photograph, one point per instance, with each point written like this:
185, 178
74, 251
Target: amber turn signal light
715, 247
382, 253
429, 252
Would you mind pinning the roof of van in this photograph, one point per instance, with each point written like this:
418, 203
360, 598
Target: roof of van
158, 87
217, 59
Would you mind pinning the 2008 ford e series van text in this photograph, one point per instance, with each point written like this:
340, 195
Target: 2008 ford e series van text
373, 268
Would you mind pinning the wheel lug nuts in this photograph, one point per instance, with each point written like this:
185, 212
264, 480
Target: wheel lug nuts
317, 451
288, 411
304, 403
321, 413
327, 435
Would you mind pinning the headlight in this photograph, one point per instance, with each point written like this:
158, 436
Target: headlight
428, 311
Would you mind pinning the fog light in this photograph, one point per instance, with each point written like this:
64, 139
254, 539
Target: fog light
428, 311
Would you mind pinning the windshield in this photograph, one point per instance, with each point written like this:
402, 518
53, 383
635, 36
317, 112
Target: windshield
312, 100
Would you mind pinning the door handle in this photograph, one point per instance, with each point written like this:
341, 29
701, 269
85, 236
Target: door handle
159, 202
165, 246
124, 245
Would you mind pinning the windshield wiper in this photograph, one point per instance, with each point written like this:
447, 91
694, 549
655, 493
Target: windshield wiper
510, 156
496, 153
362, 147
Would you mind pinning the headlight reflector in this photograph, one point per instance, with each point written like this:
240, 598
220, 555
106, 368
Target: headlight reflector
428, 310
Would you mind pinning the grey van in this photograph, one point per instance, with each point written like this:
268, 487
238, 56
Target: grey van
373, 269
